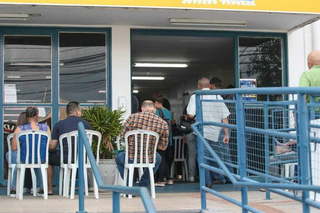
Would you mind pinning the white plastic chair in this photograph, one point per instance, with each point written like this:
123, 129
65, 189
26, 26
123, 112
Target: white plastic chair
11, 166
142, 139
179, 157
21, 167
63, 167
72, 137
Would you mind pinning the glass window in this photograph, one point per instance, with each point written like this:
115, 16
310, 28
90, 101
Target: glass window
261, 59
10, 118
27, 69
82, 66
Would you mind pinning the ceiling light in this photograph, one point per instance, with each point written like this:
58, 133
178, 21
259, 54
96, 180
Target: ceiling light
147, 78
13, 76
135, 91
207, 22
20, 16
101, 91
95, 101
32, 64
173, 65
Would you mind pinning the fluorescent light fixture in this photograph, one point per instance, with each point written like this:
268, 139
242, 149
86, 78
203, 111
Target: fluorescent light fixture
20, 16
171, 65
147, 78
101, 91
32, 64
13, 76
48, 77
95, 101
207, 22
135, 91
11, 115
29, 101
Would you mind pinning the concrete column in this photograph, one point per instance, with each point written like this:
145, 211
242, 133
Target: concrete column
316, 35
121, 67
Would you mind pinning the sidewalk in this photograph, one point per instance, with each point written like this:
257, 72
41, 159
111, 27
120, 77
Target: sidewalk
165, 202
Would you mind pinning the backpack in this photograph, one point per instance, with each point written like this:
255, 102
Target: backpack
165, 119
185, 126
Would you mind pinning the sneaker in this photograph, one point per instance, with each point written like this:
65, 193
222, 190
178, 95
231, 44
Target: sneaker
218, 181
26, 190
12, 193
40, 192
169, 182
31, 190
160, 184
191, 179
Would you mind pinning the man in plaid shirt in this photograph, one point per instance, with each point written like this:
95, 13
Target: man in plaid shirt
147, 120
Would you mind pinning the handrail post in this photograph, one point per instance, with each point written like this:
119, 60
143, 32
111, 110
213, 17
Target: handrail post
303, 147
80, 172
115, 202
241, 140
201, 153
266, 147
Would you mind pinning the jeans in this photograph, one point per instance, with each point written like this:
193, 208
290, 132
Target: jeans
192, 154
120, 160
14, 176
223, 152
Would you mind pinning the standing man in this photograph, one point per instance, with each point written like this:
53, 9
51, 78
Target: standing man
212, 111
147, 120
221, 147
311, 78
67, 125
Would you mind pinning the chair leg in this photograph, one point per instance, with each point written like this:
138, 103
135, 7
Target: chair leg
131, 172
140, 172
21, 182
172, 170
44, 181
286, 175
186, 170
95, 187
10, 175
125, 179
18, 182
73, 182
67, 182
152, 187
61, 181
34, 182
85, 180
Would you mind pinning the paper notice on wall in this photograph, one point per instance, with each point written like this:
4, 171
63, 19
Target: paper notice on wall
10, 93
42, 112
249, 84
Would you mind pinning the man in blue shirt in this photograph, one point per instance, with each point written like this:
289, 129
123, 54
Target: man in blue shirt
67, 125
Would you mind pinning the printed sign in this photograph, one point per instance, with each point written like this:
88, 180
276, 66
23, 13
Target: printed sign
10, 93
249, 84
295, 6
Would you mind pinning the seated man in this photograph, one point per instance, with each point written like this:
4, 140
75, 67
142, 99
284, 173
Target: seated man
148, 120
67, 125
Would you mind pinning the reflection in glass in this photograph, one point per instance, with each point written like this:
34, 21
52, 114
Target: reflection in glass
82, 67
27, 68
10, 117
261, 59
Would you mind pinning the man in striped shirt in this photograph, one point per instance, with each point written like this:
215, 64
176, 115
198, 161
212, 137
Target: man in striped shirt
147, 120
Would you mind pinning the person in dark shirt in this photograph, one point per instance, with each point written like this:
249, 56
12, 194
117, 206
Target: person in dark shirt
67, 125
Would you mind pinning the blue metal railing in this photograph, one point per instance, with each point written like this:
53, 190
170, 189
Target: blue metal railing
116, 190
302, 110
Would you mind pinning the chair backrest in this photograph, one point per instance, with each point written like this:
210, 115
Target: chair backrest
9, 137
61, 138
178, 148
142, 142
72, 138
35, 141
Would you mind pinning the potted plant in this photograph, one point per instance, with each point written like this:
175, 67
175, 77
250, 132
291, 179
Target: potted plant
109, 123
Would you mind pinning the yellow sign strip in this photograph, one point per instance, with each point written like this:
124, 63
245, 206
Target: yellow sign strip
292, 6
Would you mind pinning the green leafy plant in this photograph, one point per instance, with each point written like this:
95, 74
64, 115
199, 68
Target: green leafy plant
109, 123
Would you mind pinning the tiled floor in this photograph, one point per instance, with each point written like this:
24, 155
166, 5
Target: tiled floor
165, 202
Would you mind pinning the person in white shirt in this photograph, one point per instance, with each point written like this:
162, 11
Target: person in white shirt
215, 112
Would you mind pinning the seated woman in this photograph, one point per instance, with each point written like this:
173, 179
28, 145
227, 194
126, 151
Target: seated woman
32, 115
21, 121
